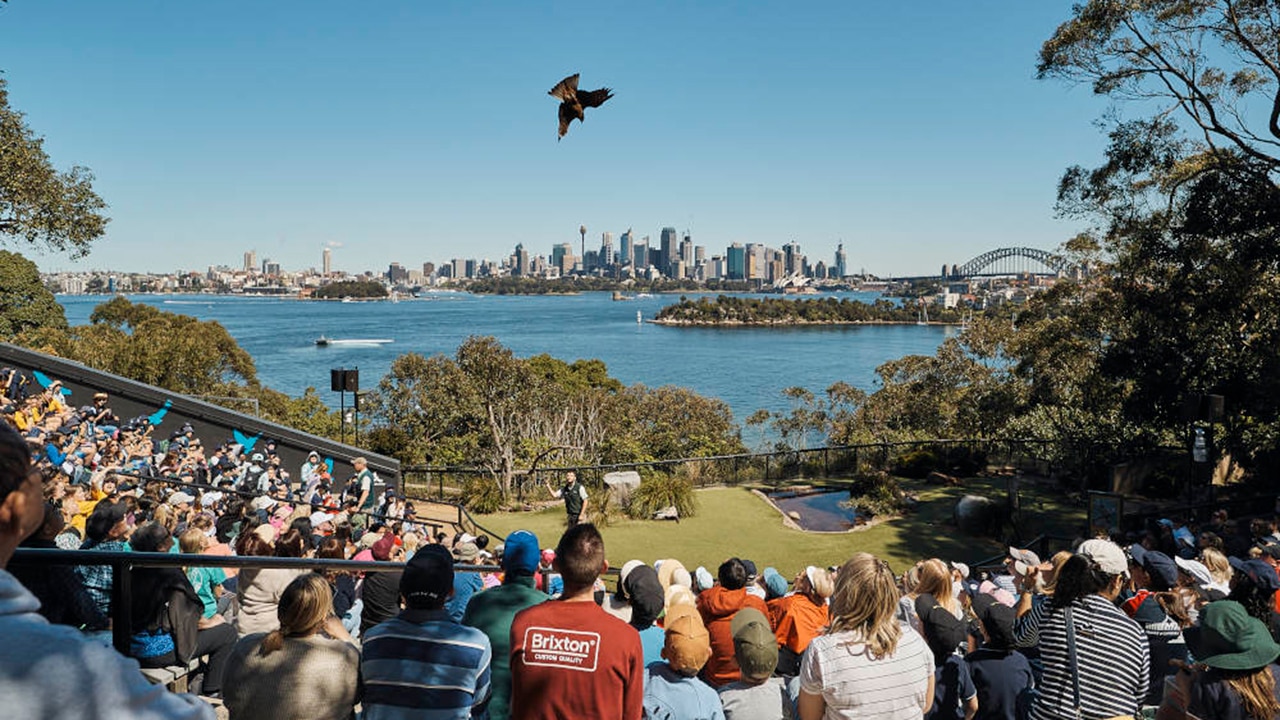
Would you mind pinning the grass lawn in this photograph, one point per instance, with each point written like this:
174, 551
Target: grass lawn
733, 521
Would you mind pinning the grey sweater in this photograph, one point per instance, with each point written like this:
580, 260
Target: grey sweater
309, 678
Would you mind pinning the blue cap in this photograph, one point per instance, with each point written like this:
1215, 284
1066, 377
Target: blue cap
520, 553
774, 583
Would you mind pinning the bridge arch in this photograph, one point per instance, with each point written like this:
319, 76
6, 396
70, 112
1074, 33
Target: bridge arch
977, 265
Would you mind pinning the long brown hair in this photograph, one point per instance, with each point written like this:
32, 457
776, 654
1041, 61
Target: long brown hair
1256, 689
935, 580
864, 603
304, 606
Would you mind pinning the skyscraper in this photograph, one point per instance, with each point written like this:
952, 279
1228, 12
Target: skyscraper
562, 257
792, 259
736, 262
640, 254
251, 261
521, 266
625, 253
327, 262
606, 249
840, 261
668, 248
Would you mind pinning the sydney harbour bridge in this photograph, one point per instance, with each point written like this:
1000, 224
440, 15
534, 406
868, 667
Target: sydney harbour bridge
1006, 262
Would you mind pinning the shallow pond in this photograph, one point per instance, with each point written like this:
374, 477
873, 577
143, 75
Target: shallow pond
816, 510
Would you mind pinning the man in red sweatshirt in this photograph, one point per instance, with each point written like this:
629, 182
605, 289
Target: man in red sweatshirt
570, 658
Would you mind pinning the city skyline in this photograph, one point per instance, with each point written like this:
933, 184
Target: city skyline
911, 135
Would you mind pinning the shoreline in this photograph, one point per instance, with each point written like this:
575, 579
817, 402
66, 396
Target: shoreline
792, 323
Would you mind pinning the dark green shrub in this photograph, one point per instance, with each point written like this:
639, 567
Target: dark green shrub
481, 494
875, 494
661, 490
916, 464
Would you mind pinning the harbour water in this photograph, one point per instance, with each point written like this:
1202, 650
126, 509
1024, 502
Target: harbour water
746, 367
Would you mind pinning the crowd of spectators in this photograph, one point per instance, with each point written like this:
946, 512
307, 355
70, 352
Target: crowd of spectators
1177, 622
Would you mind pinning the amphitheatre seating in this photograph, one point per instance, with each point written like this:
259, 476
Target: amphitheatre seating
173, 677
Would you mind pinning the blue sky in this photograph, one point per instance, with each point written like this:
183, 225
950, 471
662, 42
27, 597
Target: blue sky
915, 133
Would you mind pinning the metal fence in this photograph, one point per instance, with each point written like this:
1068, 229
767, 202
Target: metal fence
769, 468
122, 564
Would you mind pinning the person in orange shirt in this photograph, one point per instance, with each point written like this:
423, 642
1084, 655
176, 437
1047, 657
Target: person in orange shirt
718, 605
800, 617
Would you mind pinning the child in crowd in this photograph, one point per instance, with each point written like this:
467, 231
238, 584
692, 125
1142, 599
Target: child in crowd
955, 697
672, 689
207, 581
1001, 675
759, 695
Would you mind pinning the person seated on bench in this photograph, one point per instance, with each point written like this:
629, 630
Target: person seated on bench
167, 625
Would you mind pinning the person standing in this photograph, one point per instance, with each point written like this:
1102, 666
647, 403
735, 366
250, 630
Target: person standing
53, 671
421, 663
570, 658
365, 500
574, 495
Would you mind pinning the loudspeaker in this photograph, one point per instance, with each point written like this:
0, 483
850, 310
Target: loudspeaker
1213, 407
337, 379
1204, 408
351, 383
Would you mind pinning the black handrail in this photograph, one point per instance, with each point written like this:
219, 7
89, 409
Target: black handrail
122, 563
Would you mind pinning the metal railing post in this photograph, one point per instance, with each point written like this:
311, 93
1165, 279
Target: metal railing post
121, 605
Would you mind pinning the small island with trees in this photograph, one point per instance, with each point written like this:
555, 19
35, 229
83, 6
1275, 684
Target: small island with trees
358, 289
727, 310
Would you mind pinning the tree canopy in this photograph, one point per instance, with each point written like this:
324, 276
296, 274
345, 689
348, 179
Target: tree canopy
25, 303
486, 407
38, 204
1183, 251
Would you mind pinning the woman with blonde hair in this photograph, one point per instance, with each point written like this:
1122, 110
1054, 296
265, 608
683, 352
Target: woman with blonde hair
936, 580
867, 664
305, 669
1219, 566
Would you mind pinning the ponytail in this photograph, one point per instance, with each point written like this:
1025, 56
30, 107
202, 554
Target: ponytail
1080, 576
272, 642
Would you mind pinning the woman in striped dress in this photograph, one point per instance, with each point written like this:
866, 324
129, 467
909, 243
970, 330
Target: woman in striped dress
1112, 661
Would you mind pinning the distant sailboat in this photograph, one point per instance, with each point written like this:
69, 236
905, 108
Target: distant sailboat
639, 318
924, 314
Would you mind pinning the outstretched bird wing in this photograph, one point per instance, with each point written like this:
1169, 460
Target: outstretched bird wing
566, 116
594, 98
566, 88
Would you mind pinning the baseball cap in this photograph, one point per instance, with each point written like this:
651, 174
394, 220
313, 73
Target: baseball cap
428, 577
181, 497
1108, 556
996, 618
702, 578
750, 567
754, 644
943, 631
774, 583
381, 549
688, 644
820, 581
1259, 572
466, 552
1024, 560
1160, 569
319, 518
1195, 569
520, 553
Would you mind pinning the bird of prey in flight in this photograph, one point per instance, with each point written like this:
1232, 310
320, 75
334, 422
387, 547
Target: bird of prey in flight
573, 100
